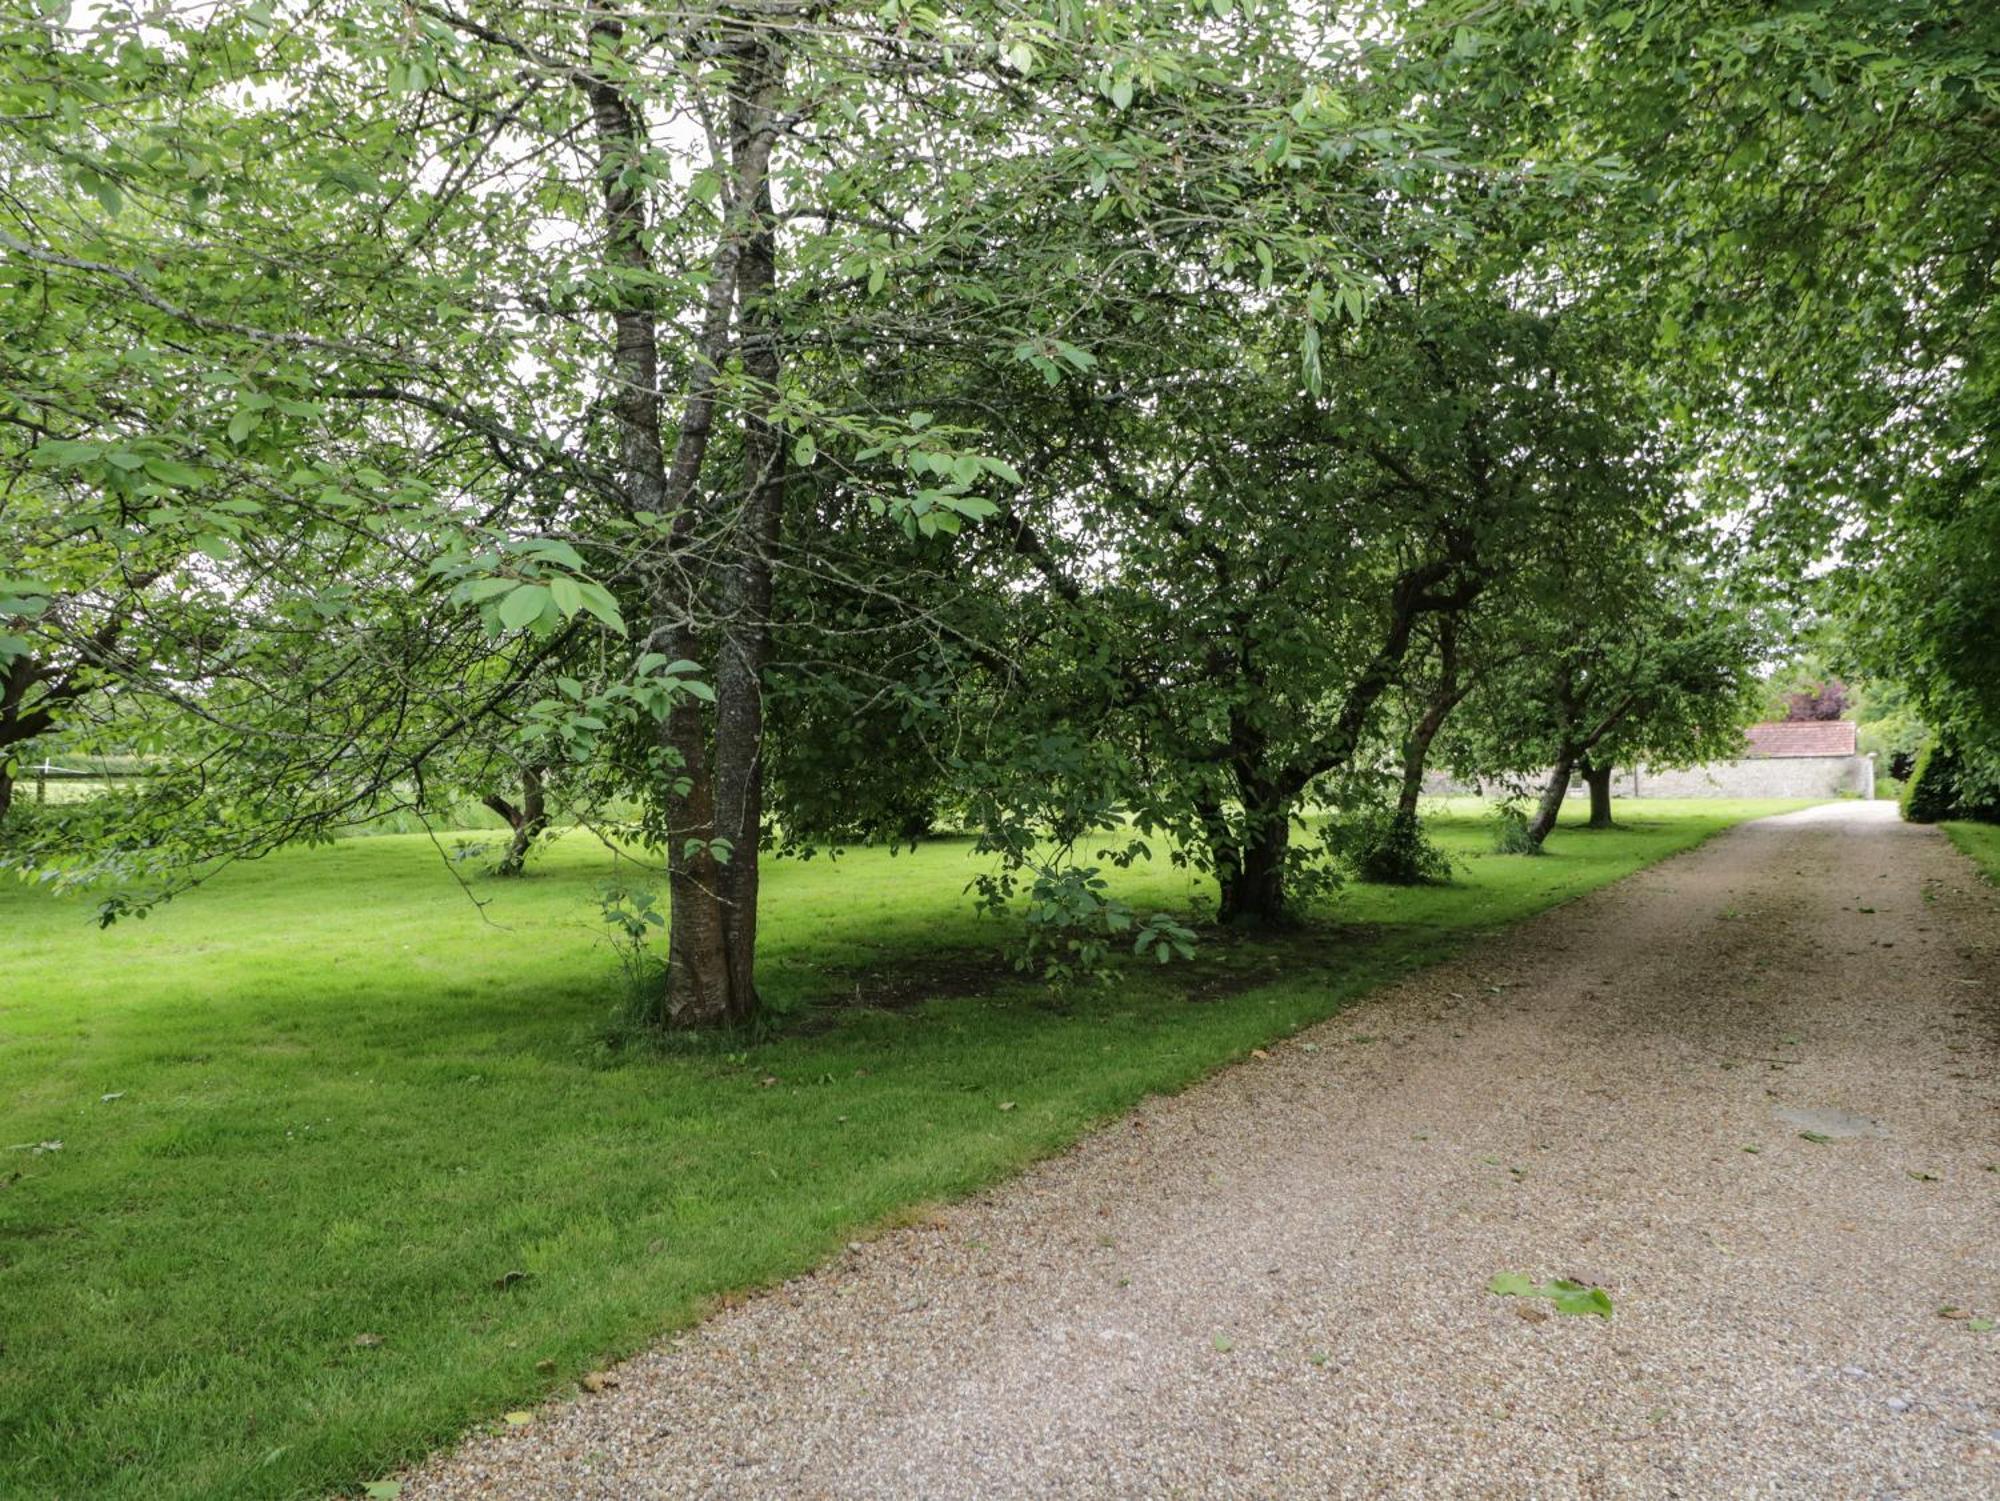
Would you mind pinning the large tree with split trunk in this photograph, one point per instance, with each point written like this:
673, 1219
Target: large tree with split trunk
479, 361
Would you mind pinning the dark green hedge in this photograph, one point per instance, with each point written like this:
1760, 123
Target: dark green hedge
1938, 789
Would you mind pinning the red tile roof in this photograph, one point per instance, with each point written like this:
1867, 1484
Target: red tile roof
1802, 737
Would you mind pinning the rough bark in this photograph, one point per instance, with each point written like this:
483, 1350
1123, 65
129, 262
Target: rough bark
6, 789
1552, 798
527, 818
1251, 870
1598, 778
1417, 744
709, 949
746, 643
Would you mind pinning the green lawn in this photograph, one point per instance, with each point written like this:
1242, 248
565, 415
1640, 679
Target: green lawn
326, 1098
1982, 842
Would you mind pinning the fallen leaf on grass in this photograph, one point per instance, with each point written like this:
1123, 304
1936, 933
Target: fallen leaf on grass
367, 1341
1006, 1104
545, 1367
510, 1279
106, 1099
519, 1418
1568, 1296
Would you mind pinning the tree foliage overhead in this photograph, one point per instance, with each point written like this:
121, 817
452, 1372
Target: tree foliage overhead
769, 423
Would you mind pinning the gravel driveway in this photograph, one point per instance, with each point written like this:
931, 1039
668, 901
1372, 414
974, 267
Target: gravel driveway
1275, 1284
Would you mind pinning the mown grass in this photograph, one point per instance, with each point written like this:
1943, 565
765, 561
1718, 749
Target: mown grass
1981, 841
324, 1098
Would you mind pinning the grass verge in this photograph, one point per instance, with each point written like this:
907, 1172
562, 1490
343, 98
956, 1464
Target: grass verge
1981, 841
341, 1175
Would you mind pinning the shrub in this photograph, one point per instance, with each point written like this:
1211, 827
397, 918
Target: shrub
1510, 831
1388, 847
1940, 788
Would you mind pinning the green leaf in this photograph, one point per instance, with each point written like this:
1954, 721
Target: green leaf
553, 550
472, 591
171, 472
567, 593
1574, 1298
599, 602
1568, 1296
804, 451
524, 606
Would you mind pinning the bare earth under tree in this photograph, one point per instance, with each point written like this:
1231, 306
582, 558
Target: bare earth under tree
1275, 1283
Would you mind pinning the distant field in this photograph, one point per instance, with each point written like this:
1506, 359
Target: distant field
314, 1119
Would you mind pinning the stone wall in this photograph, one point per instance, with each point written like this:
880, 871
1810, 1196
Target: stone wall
1766, 776
1754, 776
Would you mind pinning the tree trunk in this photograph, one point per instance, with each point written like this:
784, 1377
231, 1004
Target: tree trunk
1417, 744
709, 953
1598, 778
746, 643
527, 818
1252, 876
1552, 799
6, 788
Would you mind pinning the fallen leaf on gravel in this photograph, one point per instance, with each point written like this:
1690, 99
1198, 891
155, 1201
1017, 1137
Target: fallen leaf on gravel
1818, 1138
1949, 1312
1259, 1053
382, 1490
1568, 1296
598, 1381
1979, 1326
1224, 1344
1534, 1313
367, 1341
1924, 1177
519, 1418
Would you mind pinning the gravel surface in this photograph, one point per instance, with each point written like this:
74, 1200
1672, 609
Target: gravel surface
1275, 1284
